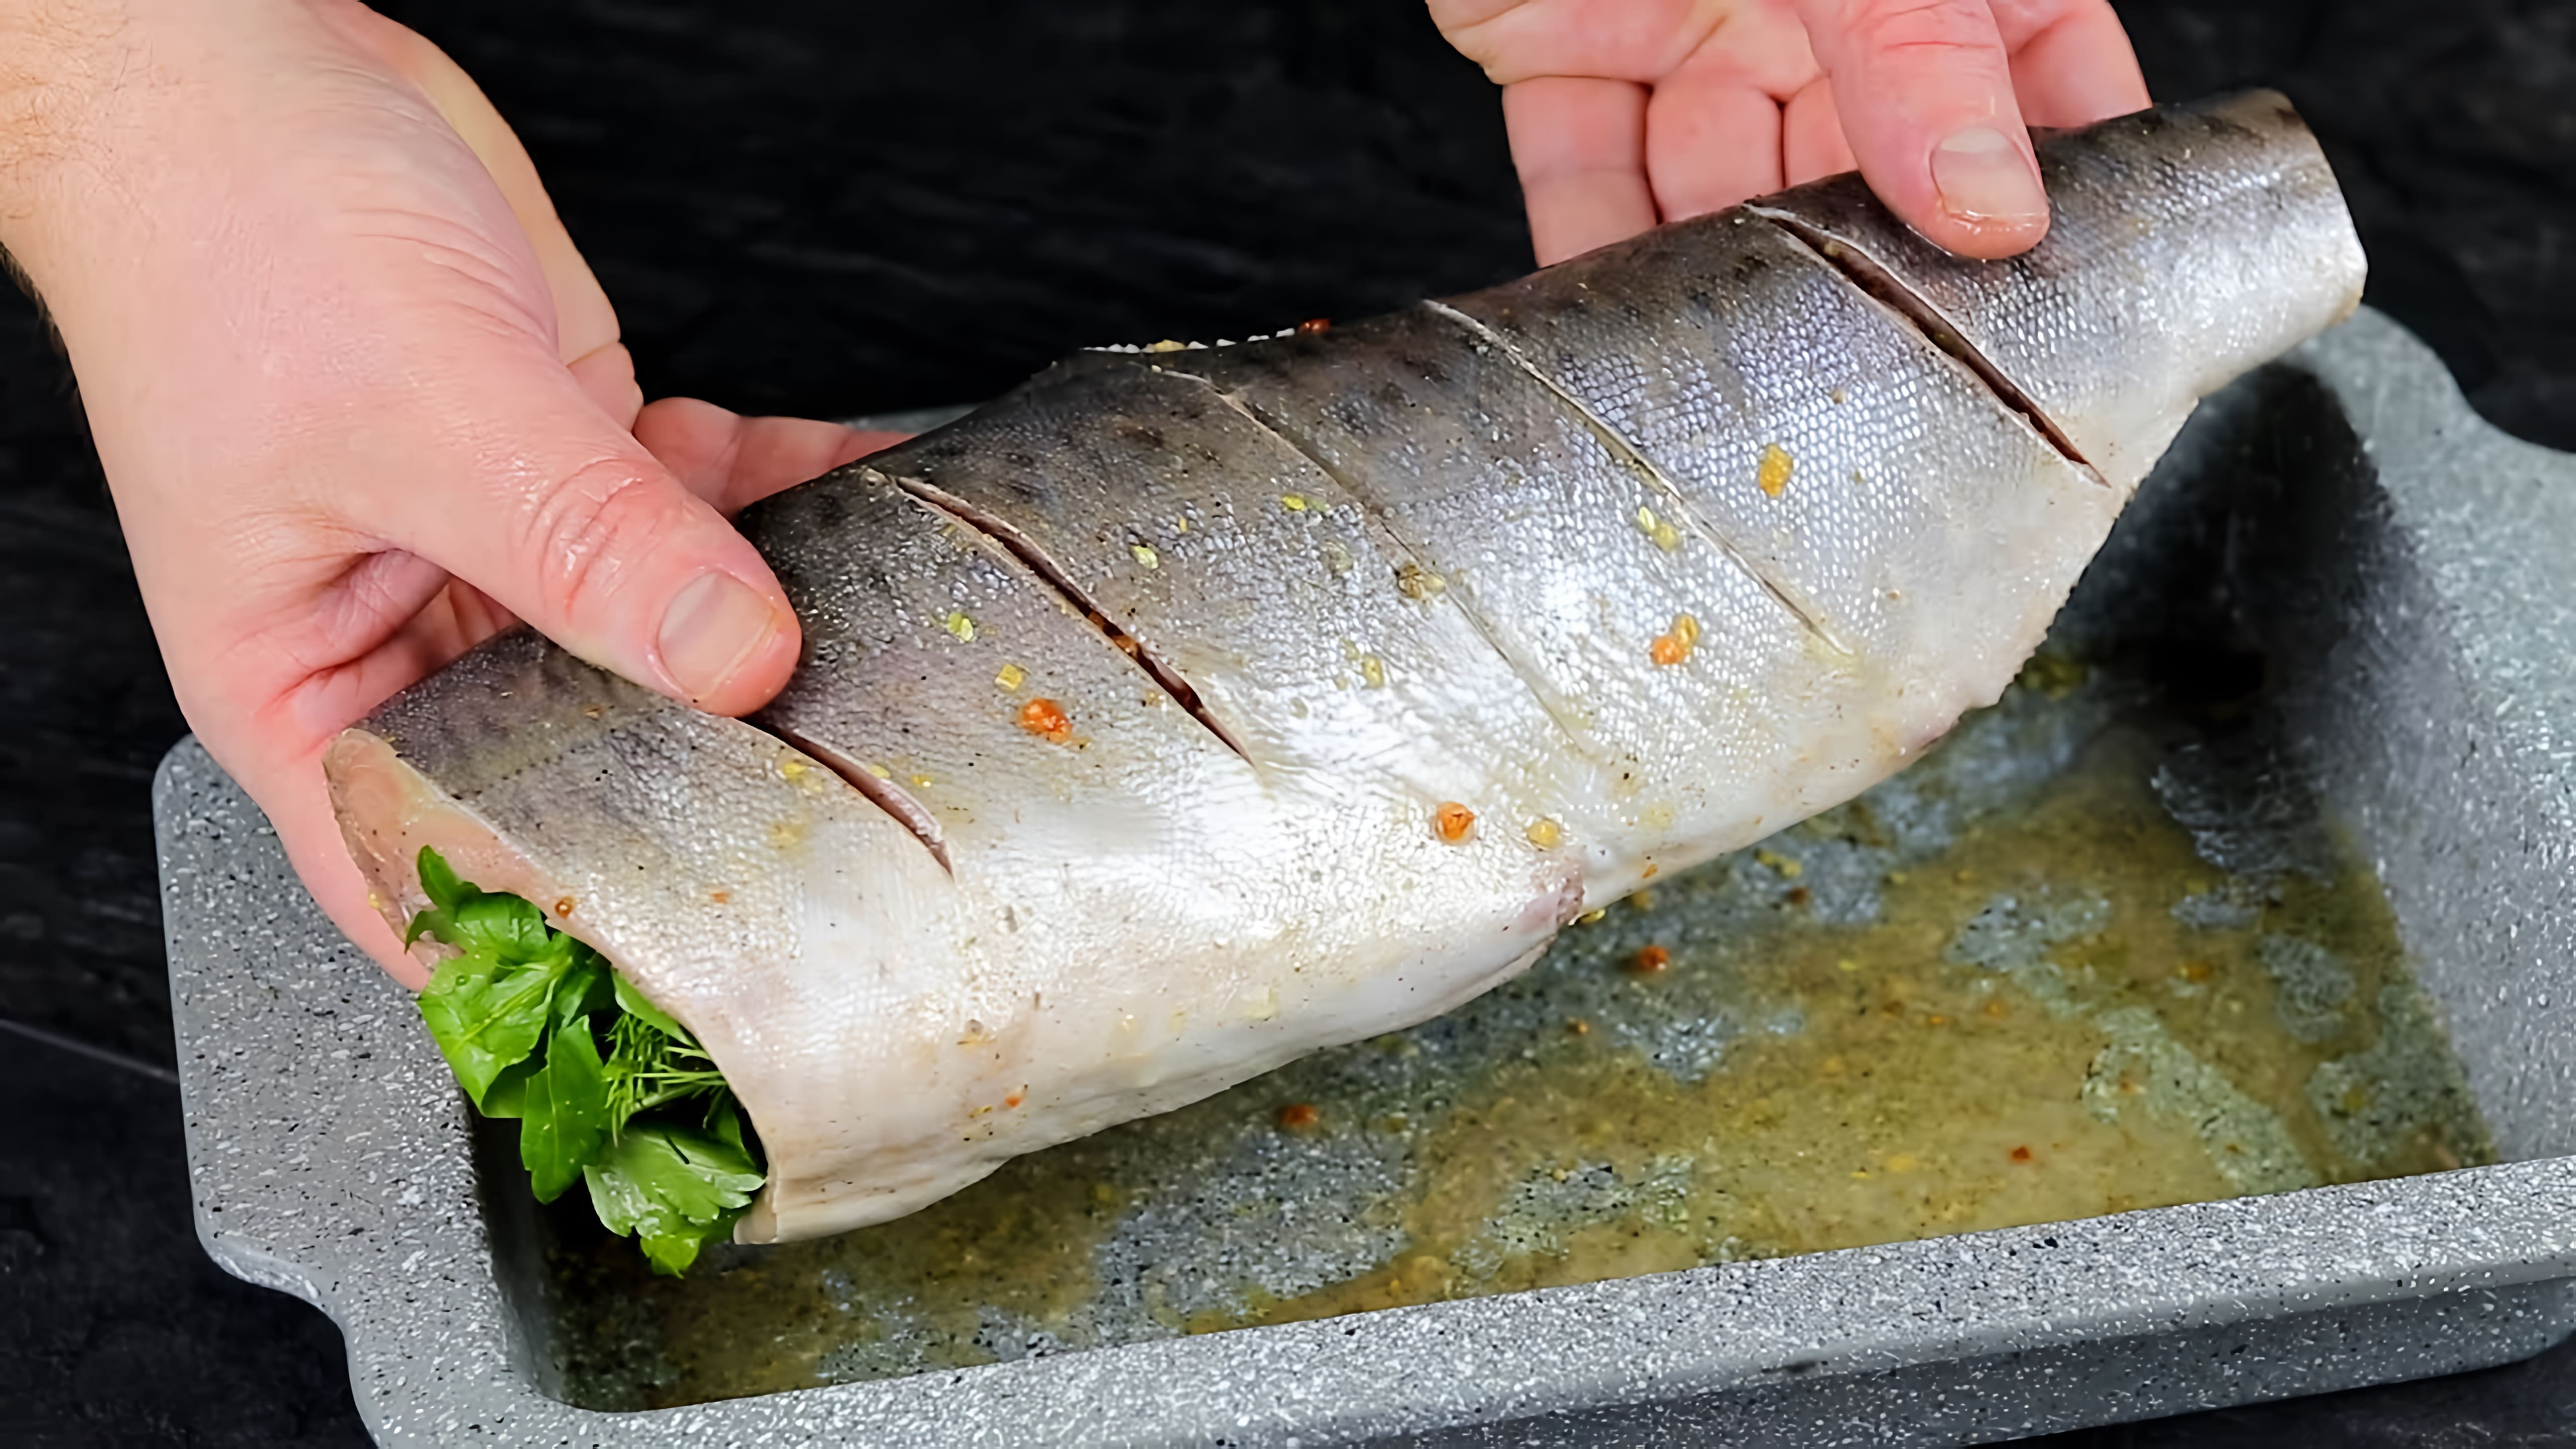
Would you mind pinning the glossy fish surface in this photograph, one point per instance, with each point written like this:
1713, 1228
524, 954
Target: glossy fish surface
1190, 710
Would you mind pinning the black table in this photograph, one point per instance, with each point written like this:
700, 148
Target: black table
807, 207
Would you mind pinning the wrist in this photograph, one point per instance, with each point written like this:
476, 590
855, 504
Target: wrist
60, 61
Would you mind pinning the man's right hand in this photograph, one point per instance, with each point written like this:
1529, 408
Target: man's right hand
359, 399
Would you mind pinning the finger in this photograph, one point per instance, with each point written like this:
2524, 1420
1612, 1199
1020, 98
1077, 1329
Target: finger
1634, 40
1926, 98
291, 787
732, 461
1812, 143
607, 374
2076, 69
585, 322
298, 804
1580, 146
1710, 144
520, 486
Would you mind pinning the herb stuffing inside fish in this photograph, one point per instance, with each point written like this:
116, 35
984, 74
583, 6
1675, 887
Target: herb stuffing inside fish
1192, 709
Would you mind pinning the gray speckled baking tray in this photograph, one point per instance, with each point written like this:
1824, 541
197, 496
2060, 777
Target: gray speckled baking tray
2403, 564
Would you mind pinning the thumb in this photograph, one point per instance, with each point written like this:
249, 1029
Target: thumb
564, 519
580, 531
1924, 89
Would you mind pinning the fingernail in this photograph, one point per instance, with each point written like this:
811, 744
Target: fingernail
715, 624
1982, 176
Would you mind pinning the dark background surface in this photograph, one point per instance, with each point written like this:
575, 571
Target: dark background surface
826, 207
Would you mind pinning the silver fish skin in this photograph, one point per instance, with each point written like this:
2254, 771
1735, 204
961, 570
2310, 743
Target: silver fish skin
1188, 711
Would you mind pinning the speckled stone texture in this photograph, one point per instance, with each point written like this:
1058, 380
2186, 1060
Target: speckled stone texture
330, 1161
823, 207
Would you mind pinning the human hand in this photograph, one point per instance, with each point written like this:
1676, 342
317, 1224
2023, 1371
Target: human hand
1623, 113
358, 397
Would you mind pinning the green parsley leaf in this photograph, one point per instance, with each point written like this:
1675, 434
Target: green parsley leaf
508, 1094
725, 1120
587, 987
486, 1016
444, 890
566, 1117
519, 1013
674, 1189
506, 926
632, 1002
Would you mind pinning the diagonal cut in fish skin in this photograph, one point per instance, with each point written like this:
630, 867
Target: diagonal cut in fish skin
1883, 285
2158, 280
1463, 628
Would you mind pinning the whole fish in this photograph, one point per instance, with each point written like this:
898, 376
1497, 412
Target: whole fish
1192, 709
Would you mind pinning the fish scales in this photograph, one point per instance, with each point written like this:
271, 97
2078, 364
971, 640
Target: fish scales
2220, 193
1188, 711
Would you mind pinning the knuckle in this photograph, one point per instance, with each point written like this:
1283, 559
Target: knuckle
590, 534
1925, 29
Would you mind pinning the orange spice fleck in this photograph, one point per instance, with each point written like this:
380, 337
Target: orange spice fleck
1453, 822
1016, 1098
1314, 326
1997, 1009
2021, 1154
2195, 971
1672, 648
1649, 872
1298, 1116
563, 907
1936, 1019
1579, 1027
1650, 960
1047, 720
722, 898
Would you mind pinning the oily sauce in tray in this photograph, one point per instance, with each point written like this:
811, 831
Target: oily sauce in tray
2085, 958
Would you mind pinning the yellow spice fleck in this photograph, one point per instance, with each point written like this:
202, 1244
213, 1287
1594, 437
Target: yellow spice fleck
1011, 677
961, 626
1772, 473
790, 768
1373, 671
1686, 628
1293, 502
1789, 869
881, 772
1167, 345
1592, 915
1544, 833
1145, 555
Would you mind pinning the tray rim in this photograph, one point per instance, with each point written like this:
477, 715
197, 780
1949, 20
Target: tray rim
436, 1361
